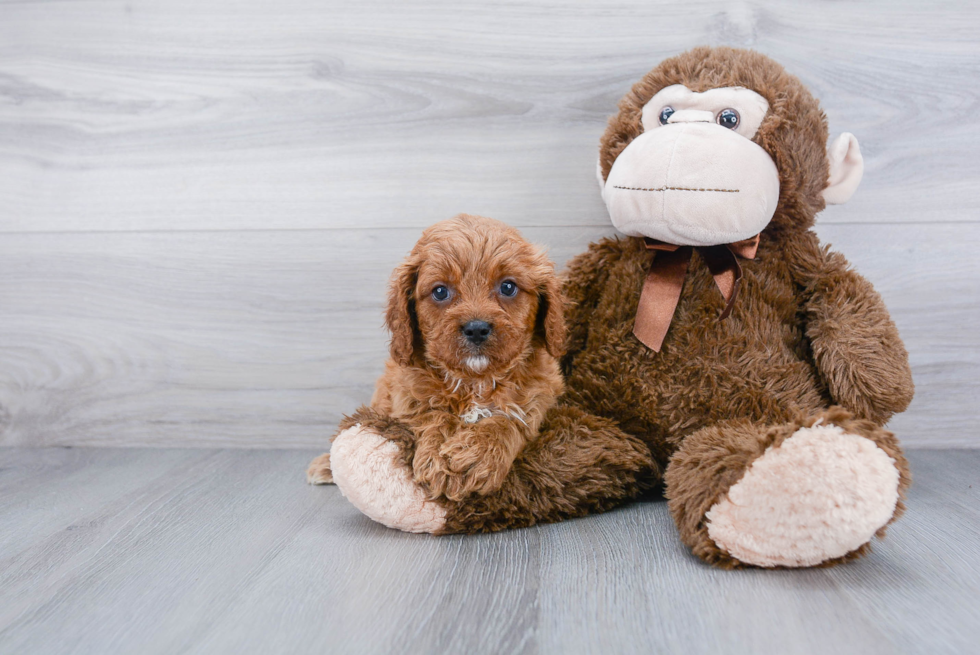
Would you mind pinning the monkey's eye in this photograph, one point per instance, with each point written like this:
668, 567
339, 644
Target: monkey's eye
440, 293
665, 114
508, 288
728, 118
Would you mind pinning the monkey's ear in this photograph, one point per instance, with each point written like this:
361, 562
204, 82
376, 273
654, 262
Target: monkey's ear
400, 318
551, 317
846, 169
598, 174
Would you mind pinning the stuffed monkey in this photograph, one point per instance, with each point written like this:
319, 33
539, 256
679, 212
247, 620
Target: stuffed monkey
717, 348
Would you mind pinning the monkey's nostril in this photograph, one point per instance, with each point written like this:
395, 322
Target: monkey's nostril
476, 332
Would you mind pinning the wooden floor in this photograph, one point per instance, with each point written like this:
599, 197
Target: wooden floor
228, 551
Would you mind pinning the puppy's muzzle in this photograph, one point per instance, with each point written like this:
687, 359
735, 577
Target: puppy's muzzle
476, 332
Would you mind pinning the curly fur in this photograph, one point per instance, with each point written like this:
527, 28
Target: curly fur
429, 384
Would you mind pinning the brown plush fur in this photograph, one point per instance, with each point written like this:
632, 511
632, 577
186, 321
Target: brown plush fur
714, 458
578, 464
767, 362
428, 384
806, 334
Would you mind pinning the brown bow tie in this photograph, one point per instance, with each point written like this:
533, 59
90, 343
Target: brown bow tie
662, 287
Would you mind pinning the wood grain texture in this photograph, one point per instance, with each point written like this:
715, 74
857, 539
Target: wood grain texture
201, 202
200, 551
265, 339
304, 114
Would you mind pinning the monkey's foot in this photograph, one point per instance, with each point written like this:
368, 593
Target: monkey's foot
370, 472
819, 495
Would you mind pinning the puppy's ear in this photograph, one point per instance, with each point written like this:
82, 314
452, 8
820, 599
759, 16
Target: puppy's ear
551, 316
400, 318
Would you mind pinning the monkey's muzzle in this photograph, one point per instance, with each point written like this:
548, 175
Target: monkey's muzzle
692, 184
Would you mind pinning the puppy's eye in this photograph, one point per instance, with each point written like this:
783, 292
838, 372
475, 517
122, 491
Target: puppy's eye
508, 288
440, 293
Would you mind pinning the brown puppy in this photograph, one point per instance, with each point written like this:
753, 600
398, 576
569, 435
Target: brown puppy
476, 320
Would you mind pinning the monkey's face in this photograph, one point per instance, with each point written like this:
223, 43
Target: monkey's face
694, 177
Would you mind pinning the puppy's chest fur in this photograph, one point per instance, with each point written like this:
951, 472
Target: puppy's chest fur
469, 399
524, 396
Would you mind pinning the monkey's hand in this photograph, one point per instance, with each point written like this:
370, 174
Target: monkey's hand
857, 348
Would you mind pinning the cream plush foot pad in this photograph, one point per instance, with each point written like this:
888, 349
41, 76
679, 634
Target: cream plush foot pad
820, 495
366, 468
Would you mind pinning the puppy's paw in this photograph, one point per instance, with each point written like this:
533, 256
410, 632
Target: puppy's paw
475, 467
319, 470
473, 460
430, 469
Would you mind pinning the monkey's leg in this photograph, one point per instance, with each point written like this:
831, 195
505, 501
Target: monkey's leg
577, 465
811, 492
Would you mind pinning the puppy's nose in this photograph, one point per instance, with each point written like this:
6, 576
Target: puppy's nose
476, 332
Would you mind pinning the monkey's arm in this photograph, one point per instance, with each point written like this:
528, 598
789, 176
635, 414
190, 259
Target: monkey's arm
855, 343
582, 282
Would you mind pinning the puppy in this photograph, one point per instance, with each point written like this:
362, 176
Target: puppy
476, 320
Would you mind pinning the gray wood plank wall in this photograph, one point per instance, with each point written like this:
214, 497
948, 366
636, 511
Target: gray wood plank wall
200, 202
